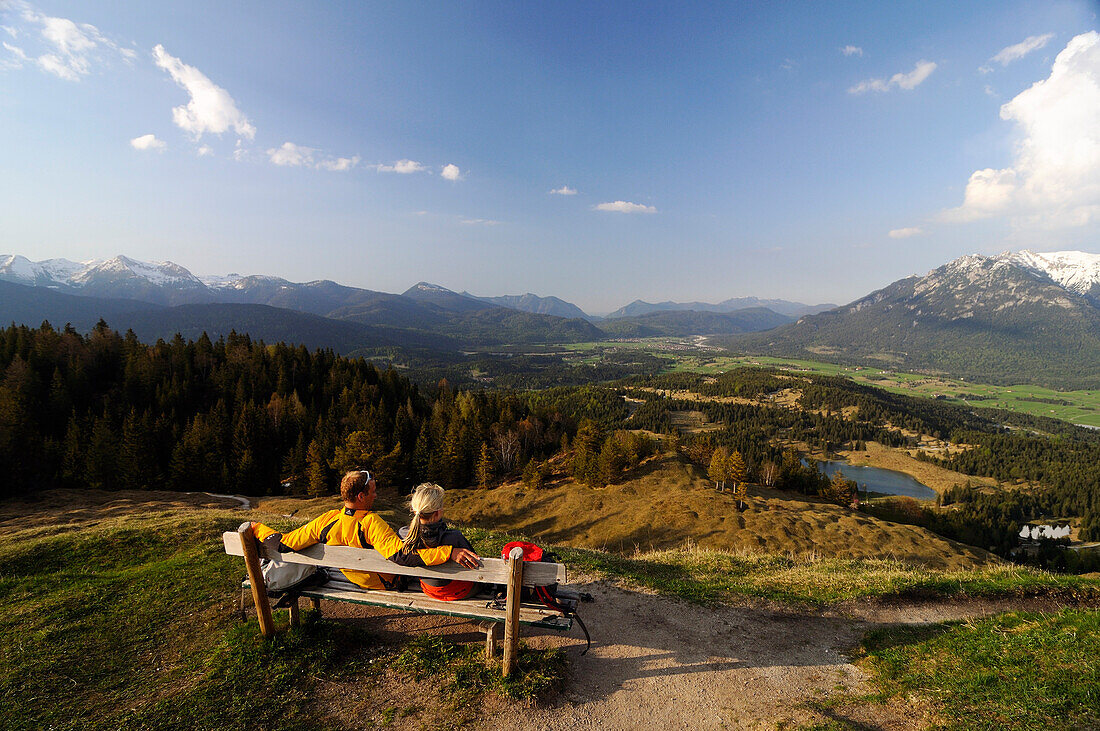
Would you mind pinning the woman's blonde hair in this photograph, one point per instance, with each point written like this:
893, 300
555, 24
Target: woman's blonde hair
426, 499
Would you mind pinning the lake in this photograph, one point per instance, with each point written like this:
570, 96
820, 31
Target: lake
877, 479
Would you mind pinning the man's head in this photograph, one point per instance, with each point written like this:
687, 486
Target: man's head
358, 489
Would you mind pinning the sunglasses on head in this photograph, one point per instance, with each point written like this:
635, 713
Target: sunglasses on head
367, 474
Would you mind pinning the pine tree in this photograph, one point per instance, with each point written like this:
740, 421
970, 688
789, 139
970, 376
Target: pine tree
484, 467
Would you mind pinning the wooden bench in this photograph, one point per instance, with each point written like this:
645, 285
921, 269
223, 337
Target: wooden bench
511, 572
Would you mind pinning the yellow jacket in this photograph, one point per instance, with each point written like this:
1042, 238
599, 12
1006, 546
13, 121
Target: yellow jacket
355, 528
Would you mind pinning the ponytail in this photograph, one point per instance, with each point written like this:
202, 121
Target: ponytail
426, 499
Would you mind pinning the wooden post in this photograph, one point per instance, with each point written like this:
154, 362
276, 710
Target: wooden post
492, 638
315, 603
511, 609
256, 578
295, 615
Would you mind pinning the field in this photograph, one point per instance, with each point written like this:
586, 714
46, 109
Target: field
685, 354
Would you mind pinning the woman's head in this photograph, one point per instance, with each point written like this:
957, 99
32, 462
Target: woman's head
426, 501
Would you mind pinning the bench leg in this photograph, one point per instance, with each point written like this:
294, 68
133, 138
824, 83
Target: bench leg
241, 604
295, 614
315, 602
492, 638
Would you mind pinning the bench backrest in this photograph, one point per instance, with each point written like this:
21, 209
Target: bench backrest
492, 571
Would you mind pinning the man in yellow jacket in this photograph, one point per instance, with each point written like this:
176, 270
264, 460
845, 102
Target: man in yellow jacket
356, 526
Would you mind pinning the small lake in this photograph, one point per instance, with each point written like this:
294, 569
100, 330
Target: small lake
877, 479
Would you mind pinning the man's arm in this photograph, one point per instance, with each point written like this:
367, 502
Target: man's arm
296, 539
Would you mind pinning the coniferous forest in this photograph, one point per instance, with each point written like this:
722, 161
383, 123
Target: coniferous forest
235, 415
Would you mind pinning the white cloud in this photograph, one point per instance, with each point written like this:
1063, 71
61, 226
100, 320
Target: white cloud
1054, 179
67, 49
564, 190
451, 172
908, 81
852, 51
789, 64
205, 151
989, 91
147, 142
339, 164
479, 222
211, 109
402, 167
624, 207
18, 57
1032, 43
904, 233
291, 155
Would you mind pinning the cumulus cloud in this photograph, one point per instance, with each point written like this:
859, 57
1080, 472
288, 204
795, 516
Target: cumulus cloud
211, 109
624, 207
852, 51
147, 142
205, 151
908, 81
1054, 179
1011, 53
564, 190
451, 172
401, 167
292, 155
904, 233
338, 164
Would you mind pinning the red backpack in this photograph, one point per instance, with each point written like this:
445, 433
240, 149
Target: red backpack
548, 594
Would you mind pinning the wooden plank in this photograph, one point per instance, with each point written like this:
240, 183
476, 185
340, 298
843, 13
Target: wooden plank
247, 545
511, 620
532, 614
492, 571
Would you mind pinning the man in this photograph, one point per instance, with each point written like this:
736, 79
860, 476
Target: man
355, 525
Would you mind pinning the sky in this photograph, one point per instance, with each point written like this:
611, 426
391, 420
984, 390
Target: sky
598, 152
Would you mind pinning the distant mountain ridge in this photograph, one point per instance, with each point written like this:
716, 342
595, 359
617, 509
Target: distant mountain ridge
783, 307
1012, 318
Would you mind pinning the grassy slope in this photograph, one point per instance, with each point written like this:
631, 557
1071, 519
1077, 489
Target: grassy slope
122, 617
1018, 670
119, 613
669, 503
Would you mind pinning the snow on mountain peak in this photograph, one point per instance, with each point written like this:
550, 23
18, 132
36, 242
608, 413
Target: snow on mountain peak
1077, 271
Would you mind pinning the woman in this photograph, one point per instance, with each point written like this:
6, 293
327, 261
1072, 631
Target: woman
427, 531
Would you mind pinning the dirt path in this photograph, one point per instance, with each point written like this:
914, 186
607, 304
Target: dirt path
662, 663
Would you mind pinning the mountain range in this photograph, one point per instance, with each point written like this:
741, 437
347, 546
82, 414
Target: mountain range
1015, 317
159, 299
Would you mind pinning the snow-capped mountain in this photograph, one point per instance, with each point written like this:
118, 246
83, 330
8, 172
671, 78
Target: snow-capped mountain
1015, 317
1077, 271
47, 273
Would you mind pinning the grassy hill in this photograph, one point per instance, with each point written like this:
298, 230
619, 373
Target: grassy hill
120, 612
669, 503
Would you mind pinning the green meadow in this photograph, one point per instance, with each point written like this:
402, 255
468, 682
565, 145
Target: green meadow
1076, 407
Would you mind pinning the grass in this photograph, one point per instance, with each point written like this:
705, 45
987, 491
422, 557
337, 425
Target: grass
1019, 670
462, 673
708, 576
129, 622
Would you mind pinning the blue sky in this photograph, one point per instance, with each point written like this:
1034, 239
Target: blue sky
808, 151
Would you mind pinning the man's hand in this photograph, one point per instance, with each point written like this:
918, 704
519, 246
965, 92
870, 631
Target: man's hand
465, 558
